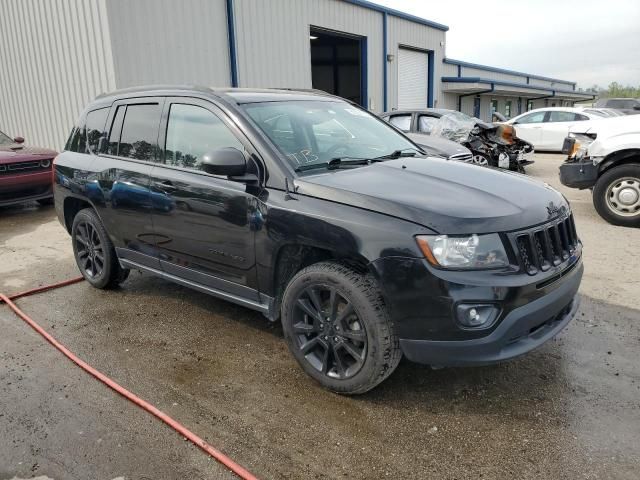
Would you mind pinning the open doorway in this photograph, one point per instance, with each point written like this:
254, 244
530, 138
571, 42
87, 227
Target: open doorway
337, 65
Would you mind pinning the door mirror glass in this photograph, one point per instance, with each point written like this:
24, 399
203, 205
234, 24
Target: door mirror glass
227, 161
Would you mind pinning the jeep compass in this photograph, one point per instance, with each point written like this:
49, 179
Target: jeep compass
311, 210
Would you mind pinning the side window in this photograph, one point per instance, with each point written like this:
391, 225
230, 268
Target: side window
536, 117
560, 116
193, 131
77, 139
96, 119
426, 123
582, 118
403, 122
139, 135
116, 129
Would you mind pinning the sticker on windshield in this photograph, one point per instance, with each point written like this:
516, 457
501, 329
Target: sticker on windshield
356, 112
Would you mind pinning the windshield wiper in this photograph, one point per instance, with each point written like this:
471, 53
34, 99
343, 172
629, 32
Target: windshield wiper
400, 153
337, 162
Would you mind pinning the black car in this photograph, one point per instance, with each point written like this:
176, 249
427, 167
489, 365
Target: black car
494, 145
321, 216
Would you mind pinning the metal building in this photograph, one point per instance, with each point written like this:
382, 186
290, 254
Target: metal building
57, 55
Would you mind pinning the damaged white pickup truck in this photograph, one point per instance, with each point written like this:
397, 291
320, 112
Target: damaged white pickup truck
605, 156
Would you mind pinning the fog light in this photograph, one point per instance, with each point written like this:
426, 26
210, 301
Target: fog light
476, 316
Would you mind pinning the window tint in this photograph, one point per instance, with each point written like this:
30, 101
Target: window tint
96, 120
193, 131
116, 128
403, 122
140, 132
426, 123
536, 117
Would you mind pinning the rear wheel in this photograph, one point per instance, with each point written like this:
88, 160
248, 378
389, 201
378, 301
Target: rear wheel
338, 329
616, 195
94, 252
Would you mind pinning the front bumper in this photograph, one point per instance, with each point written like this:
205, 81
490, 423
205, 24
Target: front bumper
523, 330
580, 175
25, 187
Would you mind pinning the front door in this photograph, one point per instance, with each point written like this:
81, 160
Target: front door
202, 221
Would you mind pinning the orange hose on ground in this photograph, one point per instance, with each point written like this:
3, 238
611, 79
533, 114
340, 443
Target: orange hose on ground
181, 429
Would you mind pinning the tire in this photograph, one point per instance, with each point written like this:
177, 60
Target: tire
616, 195
45, 201
363, 348
94, 253
481, 159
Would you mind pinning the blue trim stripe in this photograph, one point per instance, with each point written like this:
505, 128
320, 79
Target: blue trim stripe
451, 61
364, 79
511, 84
430, 80
398, 13
384, 62
231, 31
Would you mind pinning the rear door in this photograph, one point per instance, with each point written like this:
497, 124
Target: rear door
556, 128
202, 221
123, 174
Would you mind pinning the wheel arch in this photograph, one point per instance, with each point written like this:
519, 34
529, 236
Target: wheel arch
71, 206
620, 157
291, 258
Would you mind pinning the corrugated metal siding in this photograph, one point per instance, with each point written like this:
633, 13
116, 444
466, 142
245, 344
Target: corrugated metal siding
402, 32
55, 57
166, 41
446, 100
273, 46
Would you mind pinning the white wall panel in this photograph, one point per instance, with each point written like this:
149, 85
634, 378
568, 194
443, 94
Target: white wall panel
273, 46
403, 32
55, 57
170, 42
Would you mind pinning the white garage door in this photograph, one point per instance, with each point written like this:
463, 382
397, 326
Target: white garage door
413, 74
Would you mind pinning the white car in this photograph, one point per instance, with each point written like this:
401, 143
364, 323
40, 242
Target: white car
546, 128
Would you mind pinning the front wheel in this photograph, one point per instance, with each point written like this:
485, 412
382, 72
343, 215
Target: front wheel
616, 195
94, 252
338, 329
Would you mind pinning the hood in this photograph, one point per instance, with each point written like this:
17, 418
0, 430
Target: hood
17, 153
446, 196
607, 127
438, 145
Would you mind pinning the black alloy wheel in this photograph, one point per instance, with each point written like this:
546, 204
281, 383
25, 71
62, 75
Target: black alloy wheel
328, 332
89, 249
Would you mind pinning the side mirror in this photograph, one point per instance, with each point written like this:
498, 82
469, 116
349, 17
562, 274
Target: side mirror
225, 161
636, 106
19, 139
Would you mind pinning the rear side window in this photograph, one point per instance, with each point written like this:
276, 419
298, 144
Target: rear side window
426, 123
193, 131
86, 134
96, 120
403, 122
139, 137
116, 129
560, 116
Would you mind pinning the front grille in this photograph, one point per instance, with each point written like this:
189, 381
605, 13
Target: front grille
24, 167
548, 246
461, 157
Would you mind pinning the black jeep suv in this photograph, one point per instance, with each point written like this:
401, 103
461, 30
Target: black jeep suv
318, 214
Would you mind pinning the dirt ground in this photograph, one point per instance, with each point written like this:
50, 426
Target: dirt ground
568, 410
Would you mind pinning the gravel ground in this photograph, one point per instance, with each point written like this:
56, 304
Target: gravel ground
568, 410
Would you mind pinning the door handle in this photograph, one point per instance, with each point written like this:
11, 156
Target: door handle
166, 186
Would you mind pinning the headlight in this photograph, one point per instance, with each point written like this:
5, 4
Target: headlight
581, 145
468, 252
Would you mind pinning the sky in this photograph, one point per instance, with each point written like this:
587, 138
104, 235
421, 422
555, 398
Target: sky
586, 41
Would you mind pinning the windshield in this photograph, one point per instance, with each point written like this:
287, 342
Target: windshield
454, 126
5, 139
316, 132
